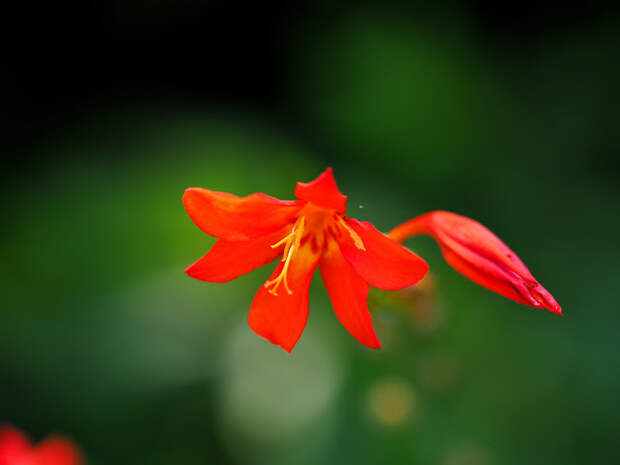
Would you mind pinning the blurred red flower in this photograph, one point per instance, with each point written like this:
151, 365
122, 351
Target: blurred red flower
15, 449
309, 232
480, 255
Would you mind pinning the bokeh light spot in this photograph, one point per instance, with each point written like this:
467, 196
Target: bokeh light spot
270, 397
467, 454
391, 402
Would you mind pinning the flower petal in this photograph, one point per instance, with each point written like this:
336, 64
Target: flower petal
228, 260
233, 218
323, 192
383, 262
480, 255
282, 318
57, 451
348, 293
13, 445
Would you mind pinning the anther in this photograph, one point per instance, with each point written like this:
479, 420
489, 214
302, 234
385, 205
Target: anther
357, 240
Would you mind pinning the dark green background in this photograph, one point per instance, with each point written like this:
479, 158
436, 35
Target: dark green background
506, 117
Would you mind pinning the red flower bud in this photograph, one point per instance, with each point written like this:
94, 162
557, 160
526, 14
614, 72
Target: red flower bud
480, 255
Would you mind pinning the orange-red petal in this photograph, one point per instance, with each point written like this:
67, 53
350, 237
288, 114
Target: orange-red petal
228, 260
282, 318
233, 218
323, 192
56, 451
348, 293
383, 262
13, 445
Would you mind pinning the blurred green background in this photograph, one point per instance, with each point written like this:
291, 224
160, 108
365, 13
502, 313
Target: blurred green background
506, 117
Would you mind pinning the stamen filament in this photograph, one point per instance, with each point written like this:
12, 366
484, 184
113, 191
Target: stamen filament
280, 242
292, 240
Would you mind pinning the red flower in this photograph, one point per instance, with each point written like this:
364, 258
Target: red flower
480, 255
309, 232
15, 449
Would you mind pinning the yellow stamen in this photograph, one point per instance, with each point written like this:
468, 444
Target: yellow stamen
292, 240
357, 240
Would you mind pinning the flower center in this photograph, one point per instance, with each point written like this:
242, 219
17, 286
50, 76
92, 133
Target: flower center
318, 222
